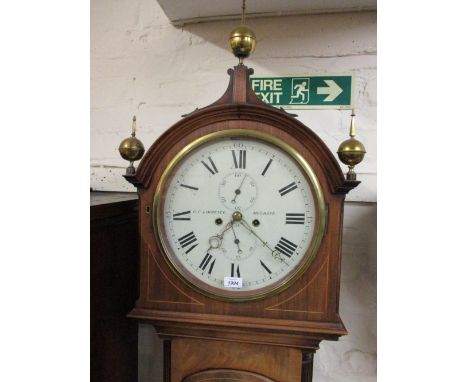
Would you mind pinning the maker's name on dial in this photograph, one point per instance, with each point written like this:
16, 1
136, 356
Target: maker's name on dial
209, 212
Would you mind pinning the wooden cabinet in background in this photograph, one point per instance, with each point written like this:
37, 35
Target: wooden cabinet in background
114, 286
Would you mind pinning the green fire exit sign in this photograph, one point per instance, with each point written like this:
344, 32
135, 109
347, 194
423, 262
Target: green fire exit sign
305, 92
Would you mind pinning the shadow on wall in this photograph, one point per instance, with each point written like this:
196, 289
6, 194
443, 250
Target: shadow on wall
354, 357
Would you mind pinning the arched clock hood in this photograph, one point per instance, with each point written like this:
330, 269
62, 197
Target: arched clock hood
240, 102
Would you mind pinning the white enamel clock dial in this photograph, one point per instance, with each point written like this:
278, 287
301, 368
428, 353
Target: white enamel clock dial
237, 208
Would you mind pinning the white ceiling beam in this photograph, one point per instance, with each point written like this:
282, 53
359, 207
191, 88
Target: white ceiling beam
182, 12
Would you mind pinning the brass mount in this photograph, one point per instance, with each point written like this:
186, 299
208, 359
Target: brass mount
351, 152
242, 39
131, 149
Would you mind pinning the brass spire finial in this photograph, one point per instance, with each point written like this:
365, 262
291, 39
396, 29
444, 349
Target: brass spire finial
352, 128
133, 126
243, 12
242, 39
131, 149
351, 151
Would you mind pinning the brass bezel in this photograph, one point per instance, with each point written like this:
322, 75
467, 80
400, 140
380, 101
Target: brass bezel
320, 221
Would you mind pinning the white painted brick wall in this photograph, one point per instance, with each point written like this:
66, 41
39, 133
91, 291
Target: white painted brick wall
141, 65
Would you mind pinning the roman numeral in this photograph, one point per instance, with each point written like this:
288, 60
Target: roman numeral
206, 261
211, 168
265, 267
235, 272
283, 191
242, 158
295, 218
191, 187
182, 215
266, 167
286, 247
188, 239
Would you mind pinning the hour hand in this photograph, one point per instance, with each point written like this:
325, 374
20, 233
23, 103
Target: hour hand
216, 240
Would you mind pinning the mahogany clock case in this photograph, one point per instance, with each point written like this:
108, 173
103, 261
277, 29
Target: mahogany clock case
299, 316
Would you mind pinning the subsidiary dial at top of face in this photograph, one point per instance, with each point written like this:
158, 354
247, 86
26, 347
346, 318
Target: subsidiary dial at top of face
238, 191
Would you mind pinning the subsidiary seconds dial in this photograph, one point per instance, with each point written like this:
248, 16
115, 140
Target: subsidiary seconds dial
238, 191
240, 206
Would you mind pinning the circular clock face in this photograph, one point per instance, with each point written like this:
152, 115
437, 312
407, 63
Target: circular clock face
239, 216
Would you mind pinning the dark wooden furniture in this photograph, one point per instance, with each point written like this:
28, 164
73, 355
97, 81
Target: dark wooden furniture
114, 286
273, 338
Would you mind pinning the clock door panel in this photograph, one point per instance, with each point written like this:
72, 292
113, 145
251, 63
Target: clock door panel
192, 359
224, 375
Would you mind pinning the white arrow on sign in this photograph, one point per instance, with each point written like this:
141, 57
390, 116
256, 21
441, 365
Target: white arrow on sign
333, 90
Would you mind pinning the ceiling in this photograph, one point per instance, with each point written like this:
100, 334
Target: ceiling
182, 12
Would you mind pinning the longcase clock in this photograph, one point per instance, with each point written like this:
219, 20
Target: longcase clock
241, 210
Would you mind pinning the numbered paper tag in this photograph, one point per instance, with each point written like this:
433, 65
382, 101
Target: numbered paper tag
233, 282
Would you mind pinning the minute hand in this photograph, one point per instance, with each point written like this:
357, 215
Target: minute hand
274, 252
247, 226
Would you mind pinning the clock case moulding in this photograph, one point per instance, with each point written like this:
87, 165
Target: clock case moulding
298, 317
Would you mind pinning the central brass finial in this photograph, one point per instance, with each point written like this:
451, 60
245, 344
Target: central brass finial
242, 39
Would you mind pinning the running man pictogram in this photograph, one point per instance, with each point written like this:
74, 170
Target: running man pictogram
300, 91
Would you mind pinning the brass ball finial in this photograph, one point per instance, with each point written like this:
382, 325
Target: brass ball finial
131, 149
242, 39
351, 152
